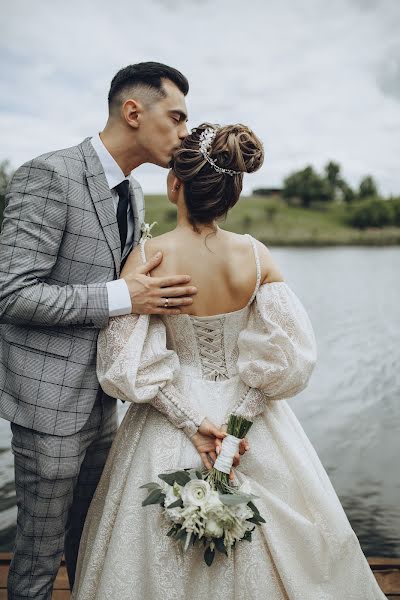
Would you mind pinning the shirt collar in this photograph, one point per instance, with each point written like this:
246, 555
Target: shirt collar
112, 170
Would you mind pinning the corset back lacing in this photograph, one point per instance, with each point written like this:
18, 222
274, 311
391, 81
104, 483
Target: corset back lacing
210, 342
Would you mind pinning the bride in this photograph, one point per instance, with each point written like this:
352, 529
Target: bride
243, 347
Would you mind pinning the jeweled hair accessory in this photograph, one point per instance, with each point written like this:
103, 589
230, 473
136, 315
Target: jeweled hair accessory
206, 138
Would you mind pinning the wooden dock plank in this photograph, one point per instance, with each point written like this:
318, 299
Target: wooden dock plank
386, 571
389, 581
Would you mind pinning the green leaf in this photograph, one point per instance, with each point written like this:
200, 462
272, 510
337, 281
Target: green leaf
150, 486
182, 477
168, 478
220, 546
172, 531
247, 536
209, 556
199, 475
176, 503
153, 498
254, 508
181, 534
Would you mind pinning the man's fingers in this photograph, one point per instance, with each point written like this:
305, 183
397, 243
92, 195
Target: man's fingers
171, 281
177, 291
174, 302
151, 263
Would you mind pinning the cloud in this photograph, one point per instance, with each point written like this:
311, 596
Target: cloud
316, 80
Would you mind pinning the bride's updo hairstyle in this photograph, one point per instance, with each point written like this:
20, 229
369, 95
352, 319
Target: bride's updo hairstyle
210, 194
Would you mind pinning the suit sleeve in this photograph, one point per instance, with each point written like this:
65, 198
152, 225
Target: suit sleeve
34, 222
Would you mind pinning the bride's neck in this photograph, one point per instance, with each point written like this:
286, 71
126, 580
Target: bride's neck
183, 223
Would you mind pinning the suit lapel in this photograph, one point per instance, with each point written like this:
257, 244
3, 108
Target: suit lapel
102, 200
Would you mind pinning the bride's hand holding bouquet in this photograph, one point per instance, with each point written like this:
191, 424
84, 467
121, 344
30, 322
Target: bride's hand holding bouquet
204, 508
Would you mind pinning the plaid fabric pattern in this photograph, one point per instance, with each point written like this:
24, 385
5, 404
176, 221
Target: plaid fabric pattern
59, 246
55, 478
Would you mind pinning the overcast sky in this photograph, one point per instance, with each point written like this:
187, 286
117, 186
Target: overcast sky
315, 79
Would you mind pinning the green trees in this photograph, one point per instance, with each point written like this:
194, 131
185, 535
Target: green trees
372, 212
367, 188
306, 186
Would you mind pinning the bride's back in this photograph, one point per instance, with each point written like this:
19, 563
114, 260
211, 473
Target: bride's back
222, 266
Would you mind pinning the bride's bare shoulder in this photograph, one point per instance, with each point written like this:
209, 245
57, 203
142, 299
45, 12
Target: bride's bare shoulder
270, 271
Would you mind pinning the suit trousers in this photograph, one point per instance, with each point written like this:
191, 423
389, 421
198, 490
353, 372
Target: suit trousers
55, 480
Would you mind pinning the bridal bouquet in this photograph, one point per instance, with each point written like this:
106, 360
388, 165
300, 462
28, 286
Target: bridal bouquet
205, 509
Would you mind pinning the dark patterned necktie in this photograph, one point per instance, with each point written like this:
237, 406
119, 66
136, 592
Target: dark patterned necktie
122, 211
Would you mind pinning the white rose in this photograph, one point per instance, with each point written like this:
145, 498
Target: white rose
213, 529
196, 492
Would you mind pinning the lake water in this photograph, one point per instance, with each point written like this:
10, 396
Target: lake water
351, 409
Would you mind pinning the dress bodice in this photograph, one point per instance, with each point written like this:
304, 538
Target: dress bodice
207, 346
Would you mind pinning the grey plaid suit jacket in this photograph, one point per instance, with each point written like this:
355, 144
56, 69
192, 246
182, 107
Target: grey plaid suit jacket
59, 245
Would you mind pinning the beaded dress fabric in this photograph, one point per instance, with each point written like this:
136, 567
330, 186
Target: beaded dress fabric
175, 371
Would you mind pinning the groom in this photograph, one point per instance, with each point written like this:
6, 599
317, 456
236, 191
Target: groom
71, 218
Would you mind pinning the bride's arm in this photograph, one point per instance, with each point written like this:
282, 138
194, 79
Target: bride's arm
134, 364
277, 350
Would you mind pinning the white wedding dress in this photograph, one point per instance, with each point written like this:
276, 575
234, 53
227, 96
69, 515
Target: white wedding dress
175, 371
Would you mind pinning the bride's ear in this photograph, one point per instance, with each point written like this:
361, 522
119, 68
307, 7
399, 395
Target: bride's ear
176, 184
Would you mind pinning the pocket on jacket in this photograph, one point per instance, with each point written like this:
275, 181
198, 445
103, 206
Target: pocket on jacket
60, 344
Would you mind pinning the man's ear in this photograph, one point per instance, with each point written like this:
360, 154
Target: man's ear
131, 110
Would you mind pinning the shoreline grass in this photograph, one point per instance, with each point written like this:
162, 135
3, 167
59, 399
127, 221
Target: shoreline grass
276, 224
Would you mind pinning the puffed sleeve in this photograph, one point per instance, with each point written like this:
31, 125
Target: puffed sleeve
134, 364
277, 349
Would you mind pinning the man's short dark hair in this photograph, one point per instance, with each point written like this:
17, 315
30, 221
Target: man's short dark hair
146, 74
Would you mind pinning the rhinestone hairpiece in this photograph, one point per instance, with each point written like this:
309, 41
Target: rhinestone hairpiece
206, 138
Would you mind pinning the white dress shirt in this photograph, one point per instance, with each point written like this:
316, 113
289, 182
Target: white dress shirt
119, 300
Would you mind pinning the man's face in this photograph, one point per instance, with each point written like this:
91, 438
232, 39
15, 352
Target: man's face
162, 126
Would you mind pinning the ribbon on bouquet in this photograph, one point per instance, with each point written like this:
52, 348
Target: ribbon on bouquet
230, 447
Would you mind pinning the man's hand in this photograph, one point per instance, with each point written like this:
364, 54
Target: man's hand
156, 295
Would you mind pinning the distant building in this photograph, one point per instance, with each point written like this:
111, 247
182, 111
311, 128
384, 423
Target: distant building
269, 192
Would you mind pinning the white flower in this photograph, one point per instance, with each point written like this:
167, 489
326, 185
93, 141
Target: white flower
170, 497
196, 492
213, 529
213, 504
243, 512
172, 494
175, 514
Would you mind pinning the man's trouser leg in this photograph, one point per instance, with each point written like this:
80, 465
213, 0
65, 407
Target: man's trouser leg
89, 476
47, 472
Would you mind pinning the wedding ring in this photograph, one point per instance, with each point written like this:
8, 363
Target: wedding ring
166, 301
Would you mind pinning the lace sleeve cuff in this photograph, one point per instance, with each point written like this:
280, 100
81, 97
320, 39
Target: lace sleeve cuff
178, 413
250, 405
